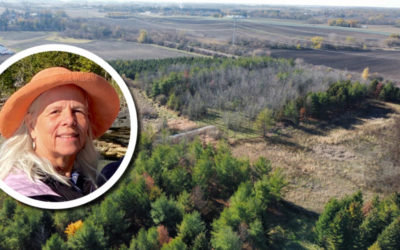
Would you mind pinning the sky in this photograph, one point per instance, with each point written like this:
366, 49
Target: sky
357, 3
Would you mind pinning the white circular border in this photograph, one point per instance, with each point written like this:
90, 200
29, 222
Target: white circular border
133, 126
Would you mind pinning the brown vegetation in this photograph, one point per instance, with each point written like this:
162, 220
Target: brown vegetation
335, 159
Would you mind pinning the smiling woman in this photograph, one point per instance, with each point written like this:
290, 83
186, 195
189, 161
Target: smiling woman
50, 124
58, 125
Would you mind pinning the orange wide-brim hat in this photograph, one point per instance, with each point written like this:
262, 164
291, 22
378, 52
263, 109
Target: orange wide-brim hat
103, 100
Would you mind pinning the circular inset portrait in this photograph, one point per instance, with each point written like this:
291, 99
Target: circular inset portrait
68, 126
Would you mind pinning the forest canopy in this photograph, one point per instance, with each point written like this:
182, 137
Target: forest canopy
172, 195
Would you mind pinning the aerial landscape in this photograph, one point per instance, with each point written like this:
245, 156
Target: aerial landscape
261, 126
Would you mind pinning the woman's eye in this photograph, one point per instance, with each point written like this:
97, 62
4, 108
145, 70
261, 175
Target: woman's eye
79, 111
56, 111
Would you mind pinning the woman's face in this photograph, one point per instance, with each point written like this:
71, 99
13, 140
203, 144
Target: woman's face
59, 124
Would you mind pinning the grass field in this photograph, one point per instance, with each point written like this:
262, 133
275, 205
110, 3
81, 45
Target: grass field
324, 160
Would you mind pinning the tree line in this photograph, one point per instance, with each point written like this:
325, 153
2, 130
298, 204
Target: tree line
344, 23
342, 96
315, 15
379, 16
11, 20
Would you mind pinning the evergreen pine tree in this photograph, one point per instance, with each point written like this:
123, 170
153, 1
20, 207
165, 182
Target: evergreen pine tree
191, 226
55, 242
390, 237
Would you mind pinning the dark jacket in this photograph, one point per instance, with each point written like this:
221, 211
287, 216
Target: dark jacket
49, 189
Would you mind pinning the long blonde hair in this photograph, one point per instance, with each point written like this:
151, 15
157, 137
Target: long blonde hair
17, 153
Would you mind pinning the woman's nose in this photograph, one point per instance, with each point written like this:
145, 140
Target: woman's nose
68, 117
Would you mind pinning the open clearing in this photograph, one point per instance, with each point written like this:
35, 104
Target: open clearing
335, 159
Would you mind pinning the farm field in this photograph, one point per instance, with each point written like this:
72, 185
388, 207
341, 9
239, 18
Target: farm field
220, 31
107, 49
384, 63
263, 28
213, 26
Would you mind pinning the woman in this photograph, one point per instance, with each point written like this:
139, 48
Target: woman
49, 125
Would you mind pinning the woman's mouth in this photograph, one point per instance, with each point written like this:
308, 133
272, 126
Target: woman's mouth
68, 136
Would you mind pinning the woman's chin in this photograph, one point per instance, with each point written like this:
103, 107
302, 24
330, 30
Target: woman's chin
68, 151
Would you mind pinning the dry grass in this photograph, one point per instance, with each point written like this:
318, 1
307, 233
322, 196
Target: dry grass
321, 163
182, 124
156, 116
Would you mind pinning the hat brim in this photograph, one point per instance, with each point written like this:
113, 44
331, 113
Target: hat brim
104, 102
